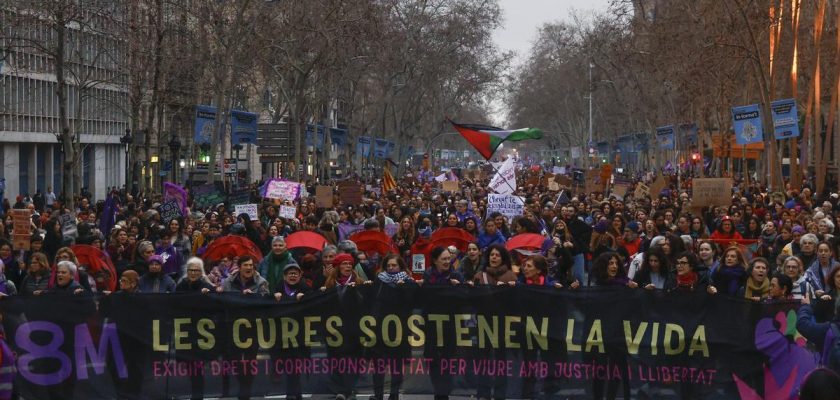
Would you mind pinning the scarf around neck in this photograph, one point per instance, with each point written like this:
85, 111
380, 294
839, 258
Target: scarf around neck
392, 278
756, 290
687, 280
540, 281
344, 280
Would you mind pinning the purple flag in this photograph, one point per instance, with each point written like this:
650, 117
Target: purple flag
173, 192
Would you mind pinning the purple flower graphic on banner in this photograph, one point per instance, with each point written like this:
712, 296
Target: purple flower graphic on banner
789, 360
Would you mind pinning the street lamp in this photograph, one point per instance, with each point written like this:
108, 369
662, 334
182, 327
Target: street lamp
127, 141
175, 147
236, 147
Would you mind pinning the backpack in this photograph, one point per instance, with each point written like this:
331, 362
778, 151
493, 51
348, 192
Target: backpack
833, 361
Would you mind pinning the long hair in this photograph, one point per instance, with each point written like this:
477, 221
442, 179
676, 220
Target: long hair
506, 258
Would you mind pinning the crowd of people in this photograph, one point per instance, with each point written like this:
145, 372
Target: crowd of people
762, 247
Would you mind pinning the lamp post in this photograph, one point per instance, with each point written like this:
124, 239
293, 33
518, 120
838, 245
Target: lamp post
127, 141
236, 147
175, 147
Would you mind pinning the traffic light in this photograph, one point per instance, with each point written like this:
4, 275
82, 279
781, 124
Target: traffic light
695, 157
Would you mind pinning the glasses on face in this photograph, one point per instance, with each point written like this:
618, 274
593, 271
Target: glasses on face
124, 280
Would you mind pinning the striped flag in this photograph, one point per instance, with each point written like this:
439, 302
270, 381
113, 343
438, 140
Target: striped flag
388, 183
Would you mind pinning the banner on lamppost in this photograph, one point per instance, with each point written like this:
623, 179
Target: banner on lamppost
746, 122
380, 148
363, 146
665, 137
785, 119
338, 136
688, 132
205, 123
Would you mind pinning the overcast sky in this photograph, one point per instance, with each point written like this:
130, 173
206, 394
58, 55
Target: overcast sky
522, 18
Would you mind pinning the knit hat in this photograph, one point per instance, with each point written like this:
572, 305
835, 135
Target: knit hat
633, 226
342, 258
798, 229
156, 258
291, 266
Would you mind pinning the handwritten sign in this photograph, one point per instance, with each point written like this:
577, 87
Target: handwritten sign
22, 220
287, 212
283, 190
323, 196
563, 180
450, 186
68, 225
657, 186
250, 209
508, 205
350, 193
642, 191
169, 211
711, 192
620, 190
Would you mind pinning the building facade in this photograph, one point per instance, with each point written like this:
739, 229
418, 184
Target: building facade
30, 155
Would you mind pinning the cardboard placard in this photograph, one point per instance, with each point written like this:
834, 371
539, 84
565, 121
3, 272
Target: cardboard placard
553, 186
250, 209
619, 191
642, 191
323, 196
418, 263
450, 186
563, 180
534, 181
711, 192
169, 211
657, 186
350, 193
287, 212
22, 225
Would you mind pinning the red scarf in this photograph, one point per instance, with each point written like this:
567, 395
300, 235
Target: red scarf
687, 280
539, 281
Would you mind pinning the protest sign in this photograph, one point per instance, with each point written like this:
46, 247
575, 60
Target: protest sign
350, 193
711, 192
642, 191
206, 196
287, 212
785, 119
250, 209
553, 186
418, 263
563, 180
504, 182
68, 225
508, 205
450, 186
282, 189
657, 186
323, 196
22, 220
619, 191
592, 181
692, 339
169, 210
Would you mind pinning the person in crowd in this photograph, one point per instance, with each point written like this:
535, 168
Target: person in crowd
818, 270
780, 288
820, 384
491, 235
497, 267
195, 279
65, 282
37, 277
687, 276
793, 269
405, 237
726, 231
471, 263
732, 273
607, 271
535, 272
129, 282
10, 262
394, 271
807, 249
757, 285
441, 272
272, 266
655, 271
822, 334
155, 280
246, 280
293, 287
343, 273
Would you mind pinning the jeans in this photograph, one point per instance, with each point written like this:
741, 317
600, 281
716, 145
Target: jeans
577, 268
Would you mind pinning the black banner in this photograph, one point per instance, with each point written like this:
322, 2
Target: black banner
512, 342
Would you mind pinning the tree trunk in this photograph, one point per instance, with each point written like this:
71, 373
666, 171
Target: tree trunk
67, 189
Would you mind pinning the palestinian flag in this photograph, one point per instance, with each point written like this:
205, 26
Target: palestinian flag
486, 139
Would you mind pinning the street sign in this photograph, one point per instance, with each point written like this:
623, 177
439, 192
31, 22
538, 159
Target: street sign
230, 166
